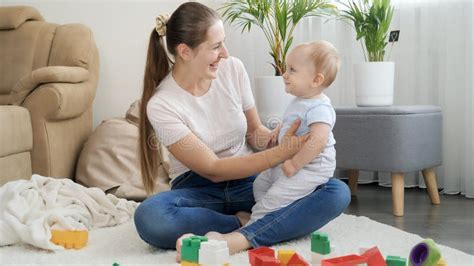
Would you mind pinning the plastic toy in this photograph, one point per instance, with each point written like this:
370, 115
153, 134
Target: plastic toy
190, 248
373, 257
297, 260
187, 263
425, 253
285, 255
264, 260
348, 260
320, 243
265, 251
214, 252
396, 261
70, 239
321, 248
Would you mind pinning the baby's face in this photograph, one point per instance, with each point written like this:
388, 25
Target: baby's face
300, 73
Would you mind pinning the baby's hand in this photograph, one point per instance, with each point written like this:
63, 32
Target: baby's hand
288, 168
274, 137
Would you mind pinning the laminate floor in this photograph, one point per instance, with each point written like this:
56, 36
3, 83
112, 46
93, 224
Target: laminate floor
450, 224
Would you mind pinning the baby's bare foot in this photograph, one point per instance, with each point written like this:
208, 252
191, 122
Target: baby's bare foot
244, 217
179, 242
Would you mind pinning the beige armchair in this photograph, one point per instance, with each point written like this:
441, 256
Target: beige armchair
48, 78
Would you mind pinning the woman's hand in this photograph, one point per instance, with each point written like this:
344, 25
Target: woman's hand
291, 143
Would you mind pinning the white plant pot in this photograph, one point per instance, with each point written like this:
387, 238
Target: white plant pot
271, 99
373, 82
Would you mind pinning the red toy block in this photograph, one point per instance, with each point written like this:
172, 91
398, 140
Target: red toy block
374, 257
348, 260
264, 260
260, 251
297, 260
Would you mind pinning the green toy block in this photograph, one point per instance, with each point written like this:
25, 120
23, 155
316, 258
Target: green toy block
115, 264
190, 248
320, 243
396, 261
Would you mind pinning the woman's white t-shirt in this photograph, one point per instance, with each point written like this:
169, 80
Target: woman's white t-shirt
217, 118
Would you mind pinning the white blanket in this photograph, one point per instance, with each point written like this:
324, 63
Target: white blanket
30, 209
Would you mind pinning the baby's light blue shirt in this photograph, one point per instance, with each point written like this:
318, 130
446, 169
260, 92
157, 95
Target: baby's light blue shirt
309, 111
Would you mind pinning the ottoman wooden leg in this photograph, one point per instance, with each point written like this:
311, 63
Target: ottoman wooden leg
353, 178
398, 190
431, 185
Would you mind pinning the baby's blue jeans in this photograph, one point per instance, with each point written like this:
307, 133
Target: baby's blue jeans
196, 205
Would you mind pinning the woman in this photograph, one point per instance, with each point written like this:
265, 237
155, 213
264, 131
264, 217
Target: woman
202, 109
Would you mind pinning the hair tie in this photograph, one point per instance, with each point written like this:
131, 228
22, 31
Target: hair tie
161, 21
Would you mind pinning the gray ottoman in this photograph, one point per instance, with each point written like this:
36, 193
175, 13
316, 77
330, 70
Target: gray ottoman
395, 139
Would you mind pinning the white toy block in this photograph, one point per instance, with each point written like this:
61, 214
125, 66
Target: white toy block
214, 253
316, 257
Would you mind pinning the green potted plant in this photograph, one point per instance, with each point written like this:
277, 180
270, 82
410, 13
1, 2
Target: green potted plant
278, 20
374, 78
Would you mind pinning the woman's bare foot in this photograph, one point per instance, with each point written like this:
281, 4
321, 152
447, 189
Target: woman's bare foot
215, 235
236, 242
244, 218
179, 242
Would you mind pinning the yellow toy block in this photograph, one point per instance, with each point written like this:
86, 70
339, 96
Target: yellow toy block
284, 256
442, 262
69, 239
187, 263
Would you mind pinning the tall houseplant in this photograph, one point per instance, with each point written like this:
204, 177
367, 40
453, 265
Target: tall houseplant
373, 79
278, 20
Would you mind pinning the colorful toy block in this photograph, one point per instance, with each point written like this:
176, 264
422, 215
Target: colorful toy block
396, 261
297, 260
348, 260
70, 239
264, 260
320, 243
190, 248
214, 252
373, 257
265, 251
188, 263
442, 262
425, 253
284, 256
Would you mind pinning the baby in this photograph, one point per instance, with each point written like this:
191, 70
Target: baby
311, 69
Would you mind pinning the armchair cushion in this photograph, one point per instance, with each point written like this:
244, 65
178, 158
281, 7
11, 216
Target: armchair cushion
58, 101
73, 45
15, 132
13, 16
42, 75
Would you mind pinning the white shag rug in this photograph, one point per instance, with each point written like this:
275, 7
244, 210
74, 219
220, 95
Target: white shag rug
122, 245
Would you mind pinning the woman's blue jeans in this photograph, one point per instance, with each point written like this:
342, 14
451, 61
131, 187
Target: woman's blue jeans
197, 205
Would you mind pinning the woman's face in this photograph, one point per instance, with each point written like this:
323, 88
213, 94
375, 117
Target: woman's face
208, 54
